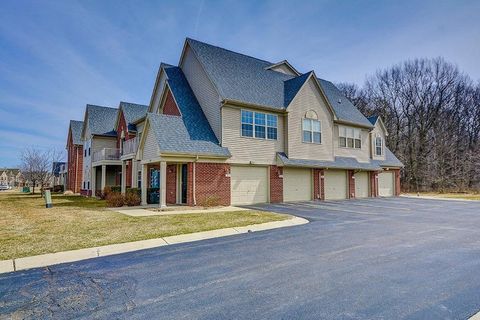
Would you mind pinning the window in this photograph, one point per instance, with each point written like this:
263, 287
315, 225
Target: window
88, 185
139, 179
85, 152
83, 184
89, 151
378, 145
349, 137
312, 132
259, 125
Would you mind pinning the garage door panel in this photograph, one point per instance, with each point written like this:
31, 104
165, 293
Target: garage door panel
361, 185
385, 184
297, 184
248, 185
335, 183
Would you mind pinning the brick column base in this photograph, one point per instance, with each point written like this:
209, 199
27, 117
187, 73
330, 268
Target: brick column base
212, 184
276, 184
397, 182
351, 184
318, 184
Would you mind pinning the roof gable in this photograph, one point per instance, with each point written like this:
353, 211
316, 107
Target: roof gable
75, 132
374, 120
157, 84
100, 120
284, 67
132, 112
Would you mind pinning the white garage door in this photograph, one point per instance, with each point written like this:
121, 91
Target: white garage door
385, 184
361, 185
297, 184
249, 185
335, 184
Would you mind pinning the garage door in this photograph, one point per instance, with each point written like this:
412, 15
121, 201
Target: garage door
385, 184
297, 184
361, 185
335, 184
249, 185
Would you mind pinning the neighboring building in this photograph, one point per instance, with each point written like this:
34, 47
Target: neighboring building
228, 128
101, 157
58, 174
129, 127
74, 164
11, 177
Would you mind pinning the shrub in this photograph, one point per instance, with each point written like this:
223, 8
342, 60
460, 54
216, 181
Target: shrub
210, 201
116, 189
58, 188
132, 199
134, 190
115, 199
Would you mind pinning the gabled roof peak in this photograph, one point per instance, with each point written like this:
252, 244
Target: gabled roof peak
276, 67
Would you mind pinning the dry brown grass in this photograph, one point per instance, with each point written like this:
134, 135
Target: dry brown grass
466, 196
28, 228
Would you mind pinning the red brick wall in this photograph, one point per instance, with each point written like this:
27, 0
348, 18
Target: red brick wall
397, 182
211, 183
170, 107
373, 184
122, 126
171, 185
276, 184
75, 165
318, 184
351, 184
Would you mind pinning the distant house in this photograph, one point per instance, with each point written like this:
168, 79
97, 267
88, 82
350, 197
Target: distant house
11, 177
59, 174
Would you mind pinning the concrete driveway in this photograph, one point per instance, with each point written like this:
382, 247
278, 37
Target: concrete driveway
360, 259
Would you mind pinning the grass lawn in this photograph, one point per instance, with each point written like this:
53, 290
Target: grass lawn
28, 228
466, 196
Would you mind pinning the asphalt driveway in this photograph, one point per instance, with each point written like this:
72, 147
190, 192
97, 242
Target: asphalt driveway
360, 259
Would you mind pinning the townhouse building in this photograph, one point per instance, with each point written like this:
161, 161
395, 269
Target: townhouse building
74, 165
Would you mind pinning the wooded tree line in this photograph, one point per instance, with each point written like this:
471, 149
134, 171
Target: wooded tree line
432, 114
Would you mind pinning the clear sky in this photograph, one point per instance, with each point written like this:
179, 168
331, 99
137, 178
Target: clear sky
57, 56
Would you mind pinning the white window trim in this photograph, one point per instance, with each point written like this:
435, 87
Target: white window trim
253, 125
381, 145
347, 137
321, 135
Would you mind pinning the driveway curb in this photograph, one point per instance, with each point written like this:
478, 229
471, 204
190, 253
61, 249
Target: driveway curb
118, 248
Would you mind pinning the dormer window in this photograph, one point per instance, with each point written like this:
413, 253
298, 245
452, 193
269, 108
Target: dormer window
378, 145
349, 137
311, 128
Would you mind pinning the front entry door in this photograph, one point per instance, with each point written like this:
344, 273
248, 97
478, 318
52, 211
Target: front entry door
184, 183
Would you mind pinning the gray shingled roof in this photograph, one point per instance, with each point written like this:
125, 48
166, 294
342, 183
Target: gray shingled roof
132, 112
174, 137
390, 160
101, 120
373, 119
76, 129
243, 78
338, 163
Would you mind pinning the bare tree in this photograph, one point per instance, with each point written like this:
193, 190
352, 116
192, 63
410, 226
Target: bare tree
36, 166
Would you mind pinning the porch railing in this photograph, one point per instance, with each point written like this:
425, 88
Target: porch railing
106, 154
130, 146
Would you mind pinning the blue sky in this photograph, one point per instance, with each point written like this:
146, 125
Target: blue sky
56, 56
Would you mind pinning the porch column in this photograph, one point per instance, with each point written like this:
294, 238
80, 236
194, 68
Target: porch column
163, 184
144, 184
104, 177
93, 182
134, 176
124, 178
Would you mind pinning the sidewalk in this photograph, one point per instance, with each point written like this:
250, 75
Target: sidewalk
89, 253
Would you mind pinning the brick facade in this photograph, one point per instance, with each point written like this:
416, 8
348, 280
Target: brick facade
171, 185
318, 184
373, 175
75, 165
170, 107
212, 184
397, 182
351, 184
276, 184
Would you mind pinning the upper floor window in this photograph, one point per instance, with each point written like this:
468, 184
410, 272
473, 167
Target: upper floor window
349, 137
378, 145
85, 153
259, 125
311, 128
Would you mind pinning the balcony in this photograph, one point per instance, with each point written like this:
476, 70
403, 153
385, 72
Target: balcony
106, 154
130, 146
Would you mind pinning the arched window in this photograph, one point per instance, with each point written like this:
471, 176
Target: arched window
311, 127
378, 145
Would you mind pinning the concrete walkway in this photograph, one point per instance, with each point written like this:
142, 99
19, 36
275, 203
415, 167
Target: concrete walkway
146, 212
88, 253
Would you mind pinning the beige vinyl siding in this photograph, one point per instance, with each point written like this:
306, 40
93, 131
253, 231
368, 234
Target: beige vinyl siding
243, 149
362, 154
150, 147
361, 184
309, 98
377, 130
101, 143
283, 68
249, 185
335, 184
297, 184
158, 92
203, 89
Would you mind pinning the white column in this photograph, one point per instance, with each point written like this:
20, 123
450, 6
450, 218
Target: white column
163, 184
124, 178
93, 180
104, 177
144, 184
134, 173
